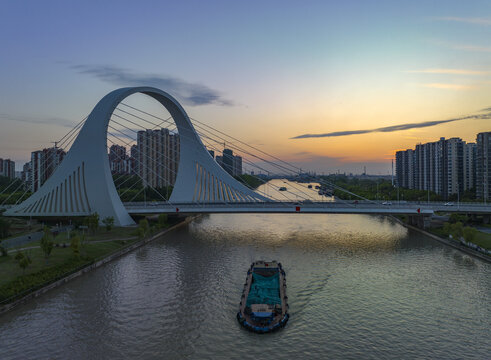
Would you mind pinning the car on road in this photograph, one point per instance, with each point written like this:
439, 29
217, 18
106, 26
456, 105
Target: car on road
386, 203
448, 204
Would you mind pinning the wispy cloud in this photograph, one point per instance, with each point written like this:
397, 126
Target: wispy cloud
463, 47
474, 20
39, 121
395, 127
467, 47
447, 86
450, 72
189, 93
118, 134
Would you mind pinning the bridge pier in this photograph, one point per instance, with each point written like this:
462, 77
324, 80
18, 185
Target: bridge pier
421, 221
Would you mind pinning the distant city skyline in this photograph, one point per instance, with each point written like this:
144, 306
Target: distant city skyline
363, 80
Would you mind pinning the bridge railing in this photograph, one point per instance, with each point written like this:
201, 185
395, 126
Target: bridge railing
436, 206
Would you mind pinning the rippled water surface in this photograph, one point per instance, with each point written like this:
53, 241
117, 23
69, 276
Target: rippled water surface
358, 286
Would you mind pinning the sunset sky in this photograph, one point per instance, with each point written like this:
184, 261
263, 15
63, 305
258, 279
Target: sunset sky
262, 71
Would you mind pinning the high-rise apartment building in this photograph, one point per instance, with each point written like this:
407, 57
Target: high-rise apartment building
43, 164
469, 155
444, 167
157, 157
454, 166
7, 168
229, 162
26, 174
405, 175
483, 166
119, 161
134, 159
237, 165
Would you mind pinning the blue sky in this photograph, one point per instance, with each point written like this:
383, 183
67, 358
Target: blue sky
253, 69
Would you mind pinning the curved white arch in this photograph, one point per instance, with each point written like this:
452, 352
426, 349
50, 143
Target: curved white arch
83, 183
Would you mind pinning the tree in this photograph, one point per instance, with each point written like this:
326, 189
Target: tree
18, 256
454, 218
108, 222
457, 230
24, 263
447, 228
3, 251
75, 245
46, 243
24, 260
143, 225
4, 227
92, 222
470, 234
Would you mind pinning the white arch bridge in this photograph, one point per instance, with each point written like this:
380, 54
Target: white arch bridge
83, 184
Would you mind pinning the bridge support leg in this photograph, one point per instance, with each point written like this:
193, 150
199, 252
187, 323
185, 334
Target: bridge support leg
420, 221
486, 219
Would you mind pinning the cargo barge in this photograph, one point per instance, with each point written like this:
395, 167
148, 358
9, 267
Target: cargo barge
264, 304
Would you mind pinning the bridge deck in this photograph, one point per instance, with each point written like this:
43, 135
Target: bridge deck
311, 207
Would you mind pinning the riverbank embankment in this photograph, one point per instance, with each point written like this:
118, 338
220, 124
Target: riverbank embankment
53, 283
448, 242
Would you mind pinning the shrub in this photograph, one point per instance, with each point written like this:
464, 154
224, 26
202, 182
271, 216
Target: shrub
455, 218
143, 224
108, 222
92, 222
447, 228
24, 263
457, 230
46, 243
162, 220
19, 256
40, 278
470, 234
75, 245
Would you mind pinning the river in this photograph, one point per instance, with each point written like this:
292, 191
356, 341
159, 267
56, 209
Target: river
358, 286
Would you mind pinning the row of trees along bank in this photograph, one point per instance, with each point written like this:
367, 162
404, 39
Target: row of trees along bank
59, 254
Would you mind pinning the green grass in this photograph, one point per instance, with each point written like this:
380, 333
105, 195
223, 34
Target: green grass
62, 261
101, 234
15, 282
483, 240
9, 268
438, 232
16, 232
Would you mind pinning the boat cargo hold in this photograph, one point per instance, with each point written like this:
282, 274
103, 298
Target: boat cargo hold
264, 304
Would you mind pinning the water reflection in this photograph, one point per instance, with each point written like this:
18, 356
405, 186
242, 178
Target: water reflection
295, 191
359, 287
309, 232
